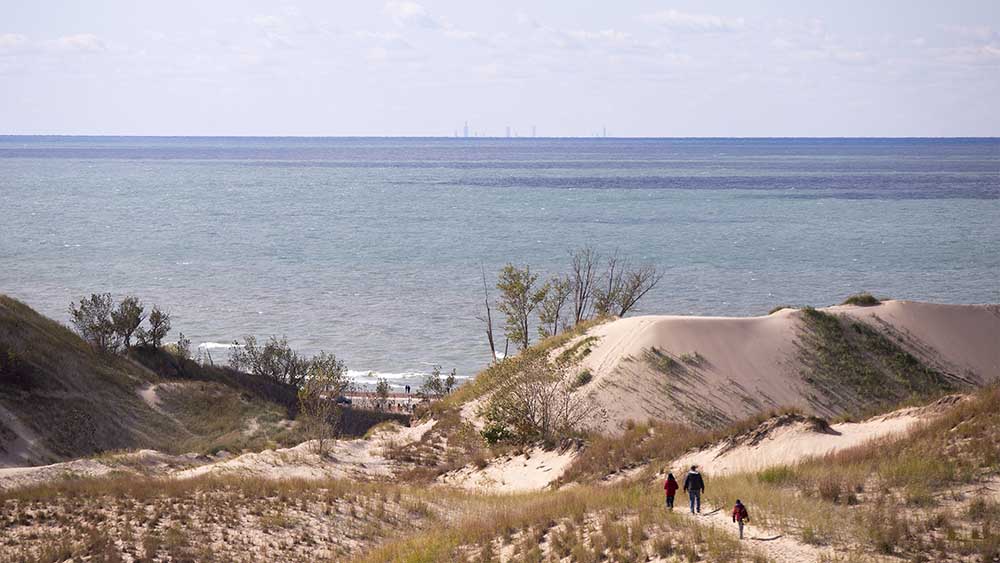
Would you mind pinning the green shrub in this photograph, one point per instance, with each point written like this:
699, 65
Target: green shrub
864, 299
777, 475
583, 378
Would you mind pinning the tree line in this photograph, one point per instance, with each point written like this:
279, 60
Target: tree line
110, 327
595, 285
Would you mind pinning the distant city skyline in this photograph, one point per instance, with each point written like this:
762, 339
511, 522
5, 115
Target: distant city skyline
556, 69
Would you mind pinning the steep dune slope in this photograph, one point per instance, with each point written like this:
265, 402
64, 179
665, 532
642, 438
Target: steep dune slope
708, 371
60, 400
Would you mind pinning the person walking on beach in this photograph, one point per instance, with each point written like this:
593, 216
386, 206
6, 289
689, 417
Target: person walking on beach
740, 515
670, 486
694, 485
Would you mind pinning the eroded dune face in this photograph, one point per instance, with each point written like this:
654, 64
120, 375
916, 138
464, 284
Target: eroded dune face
707, 371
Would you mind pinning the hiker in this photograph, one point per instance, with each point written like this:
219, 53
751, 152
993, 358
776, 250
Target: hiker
670, 486
740, 515
694, 485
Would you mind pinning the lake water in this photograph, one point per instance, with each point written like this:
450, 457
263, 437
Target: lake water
372, 248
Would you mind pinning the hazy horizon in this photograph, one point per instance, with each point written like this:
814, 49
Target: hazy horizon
423, 69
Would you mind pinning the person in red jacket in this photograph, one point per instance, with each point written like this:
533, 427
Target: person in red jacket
670, 486
740, 515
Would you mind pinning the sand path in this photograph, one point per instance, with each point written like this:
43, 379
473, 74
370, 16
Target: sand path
775, 545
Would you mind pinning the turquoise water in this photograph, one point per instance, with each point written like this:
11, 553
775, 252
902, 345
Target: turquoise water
371, 248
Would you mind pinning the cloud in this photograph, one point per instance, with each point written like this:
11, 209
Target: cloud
405, 13
11, 41
81, 42
979, 32
685, 21
988, 55
275, 29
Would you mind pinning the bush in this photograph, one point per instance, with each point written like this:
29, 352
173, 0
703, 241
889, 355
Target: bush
583, 378
864, 299
275, 360
692, 358
534, 403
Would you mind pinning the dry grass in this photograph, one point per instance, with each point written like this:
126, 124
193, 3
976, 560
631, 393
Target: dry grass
205, 519
584, 523
889, 495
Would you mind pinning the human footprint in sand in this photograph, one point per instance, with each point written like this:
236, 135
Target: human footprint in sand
694, 485
740, 515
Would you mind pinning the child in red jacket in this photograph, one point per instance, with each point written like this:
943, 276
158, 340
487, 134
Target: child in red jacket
670, 486
740, 515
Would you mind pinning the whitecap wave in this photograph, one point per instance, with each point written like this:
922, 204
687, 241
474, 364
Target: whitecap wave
217, 345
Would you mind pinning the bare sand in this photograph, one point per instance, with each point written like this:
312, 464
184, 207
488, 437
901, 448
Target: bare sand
534, 470
774, 443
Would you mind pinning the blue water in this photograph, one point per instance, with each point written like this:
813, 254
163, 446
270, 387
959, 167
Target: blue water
371, 248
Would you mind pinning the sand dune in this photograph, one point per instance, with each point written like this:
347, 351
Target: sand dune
532, 471
788, 439
713, 370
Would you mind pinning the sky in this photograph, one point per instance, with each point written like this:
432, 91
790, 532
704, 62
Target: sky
567, 68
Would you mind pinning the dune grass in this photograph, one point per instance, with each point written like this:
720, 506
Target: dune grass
854, 367
586, 523
890, 495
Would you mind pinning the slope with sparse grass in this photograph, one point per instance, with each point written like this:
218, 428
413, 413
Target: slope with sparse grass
60, 399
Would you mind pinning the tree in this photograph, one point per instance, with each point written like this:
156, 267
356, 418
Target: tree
583, 278
606, 294
92, 319
535, 402
274, 360
183, 347
518, 299
433, 385
126, 319
449, 382
636, 284
488, 319
622, 286
557, 291
326, 380
381, 394
159, 326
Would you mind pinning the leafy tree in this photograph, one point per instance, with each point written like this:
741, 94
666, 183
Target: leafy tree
274, 360
325, 380
126, 319
382, 394
183, 346
433, 385
518, 299
92, 319
159, 326
449, 382
557, 292
436, 386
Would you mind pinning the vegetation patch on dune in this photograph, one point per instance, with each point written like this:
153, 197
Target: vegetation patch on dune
854, 367
863, 299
